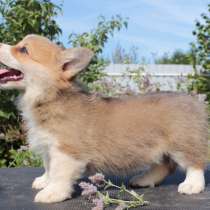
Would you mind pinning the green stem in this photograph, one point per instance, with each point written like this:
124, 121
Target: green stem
113, 185
118, 201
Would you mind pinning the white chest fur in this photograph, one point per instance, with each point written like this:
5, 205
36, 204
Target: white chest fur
38, 138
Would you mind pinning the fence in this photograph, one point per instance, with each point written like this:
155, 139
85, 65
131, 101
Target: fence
163, 77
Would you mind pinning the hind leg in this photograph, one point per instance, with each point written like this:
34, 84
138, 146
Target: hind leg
194, 181
194, 164
153, 176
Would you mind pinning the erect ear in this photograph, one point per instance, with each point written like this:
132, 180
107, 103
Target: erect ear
75, 60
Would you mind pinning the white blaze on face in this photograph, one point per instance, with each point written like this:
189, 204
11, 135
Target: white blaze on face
7, 58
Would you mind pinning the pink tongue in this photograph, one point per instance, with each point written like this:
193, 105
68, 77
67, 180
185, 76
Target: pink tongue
2, 71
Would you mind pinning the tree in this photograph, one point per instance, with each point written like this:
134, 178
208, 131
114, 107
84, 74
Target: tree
96, 40
202, 33
121, 56
201, 81
19, 18
177, 57
22, 17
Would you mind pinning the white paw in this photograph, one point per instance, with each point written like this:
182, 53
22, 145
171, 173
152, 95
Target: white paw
40, 182
190, 188
52, 194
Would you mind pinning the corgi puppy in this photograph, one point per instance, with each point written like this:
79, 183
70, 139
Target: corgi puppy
75, 131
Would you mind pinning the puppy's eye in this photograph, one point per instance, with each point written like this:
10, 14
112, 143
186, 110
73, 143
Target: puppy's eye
23, 50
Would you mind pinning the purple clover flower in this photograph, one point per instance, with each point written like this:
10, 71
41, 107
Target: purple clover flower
97, 179
88, 189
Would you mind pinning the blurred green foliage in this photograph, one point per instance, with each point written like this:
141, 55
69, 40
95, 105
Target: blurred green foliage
201, 80
178, 57
22, 17
202, 33
24, 158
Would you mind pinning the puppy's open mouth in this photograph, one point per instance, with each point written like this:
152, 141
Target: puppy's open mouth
9, 74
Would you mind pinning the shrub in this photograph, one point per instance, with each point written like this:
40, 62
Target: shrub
200, 82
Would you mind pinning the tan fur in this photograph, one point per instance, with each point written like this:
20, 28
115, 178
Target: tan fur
124, 134
106, 134
155, 175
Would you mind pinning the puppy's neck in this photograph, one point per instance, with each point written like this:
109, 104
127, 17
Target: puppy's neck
35, 94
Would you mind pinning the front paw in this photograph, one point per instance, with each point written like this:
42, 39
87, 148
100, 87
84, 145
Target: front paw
52, 194
40, 182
